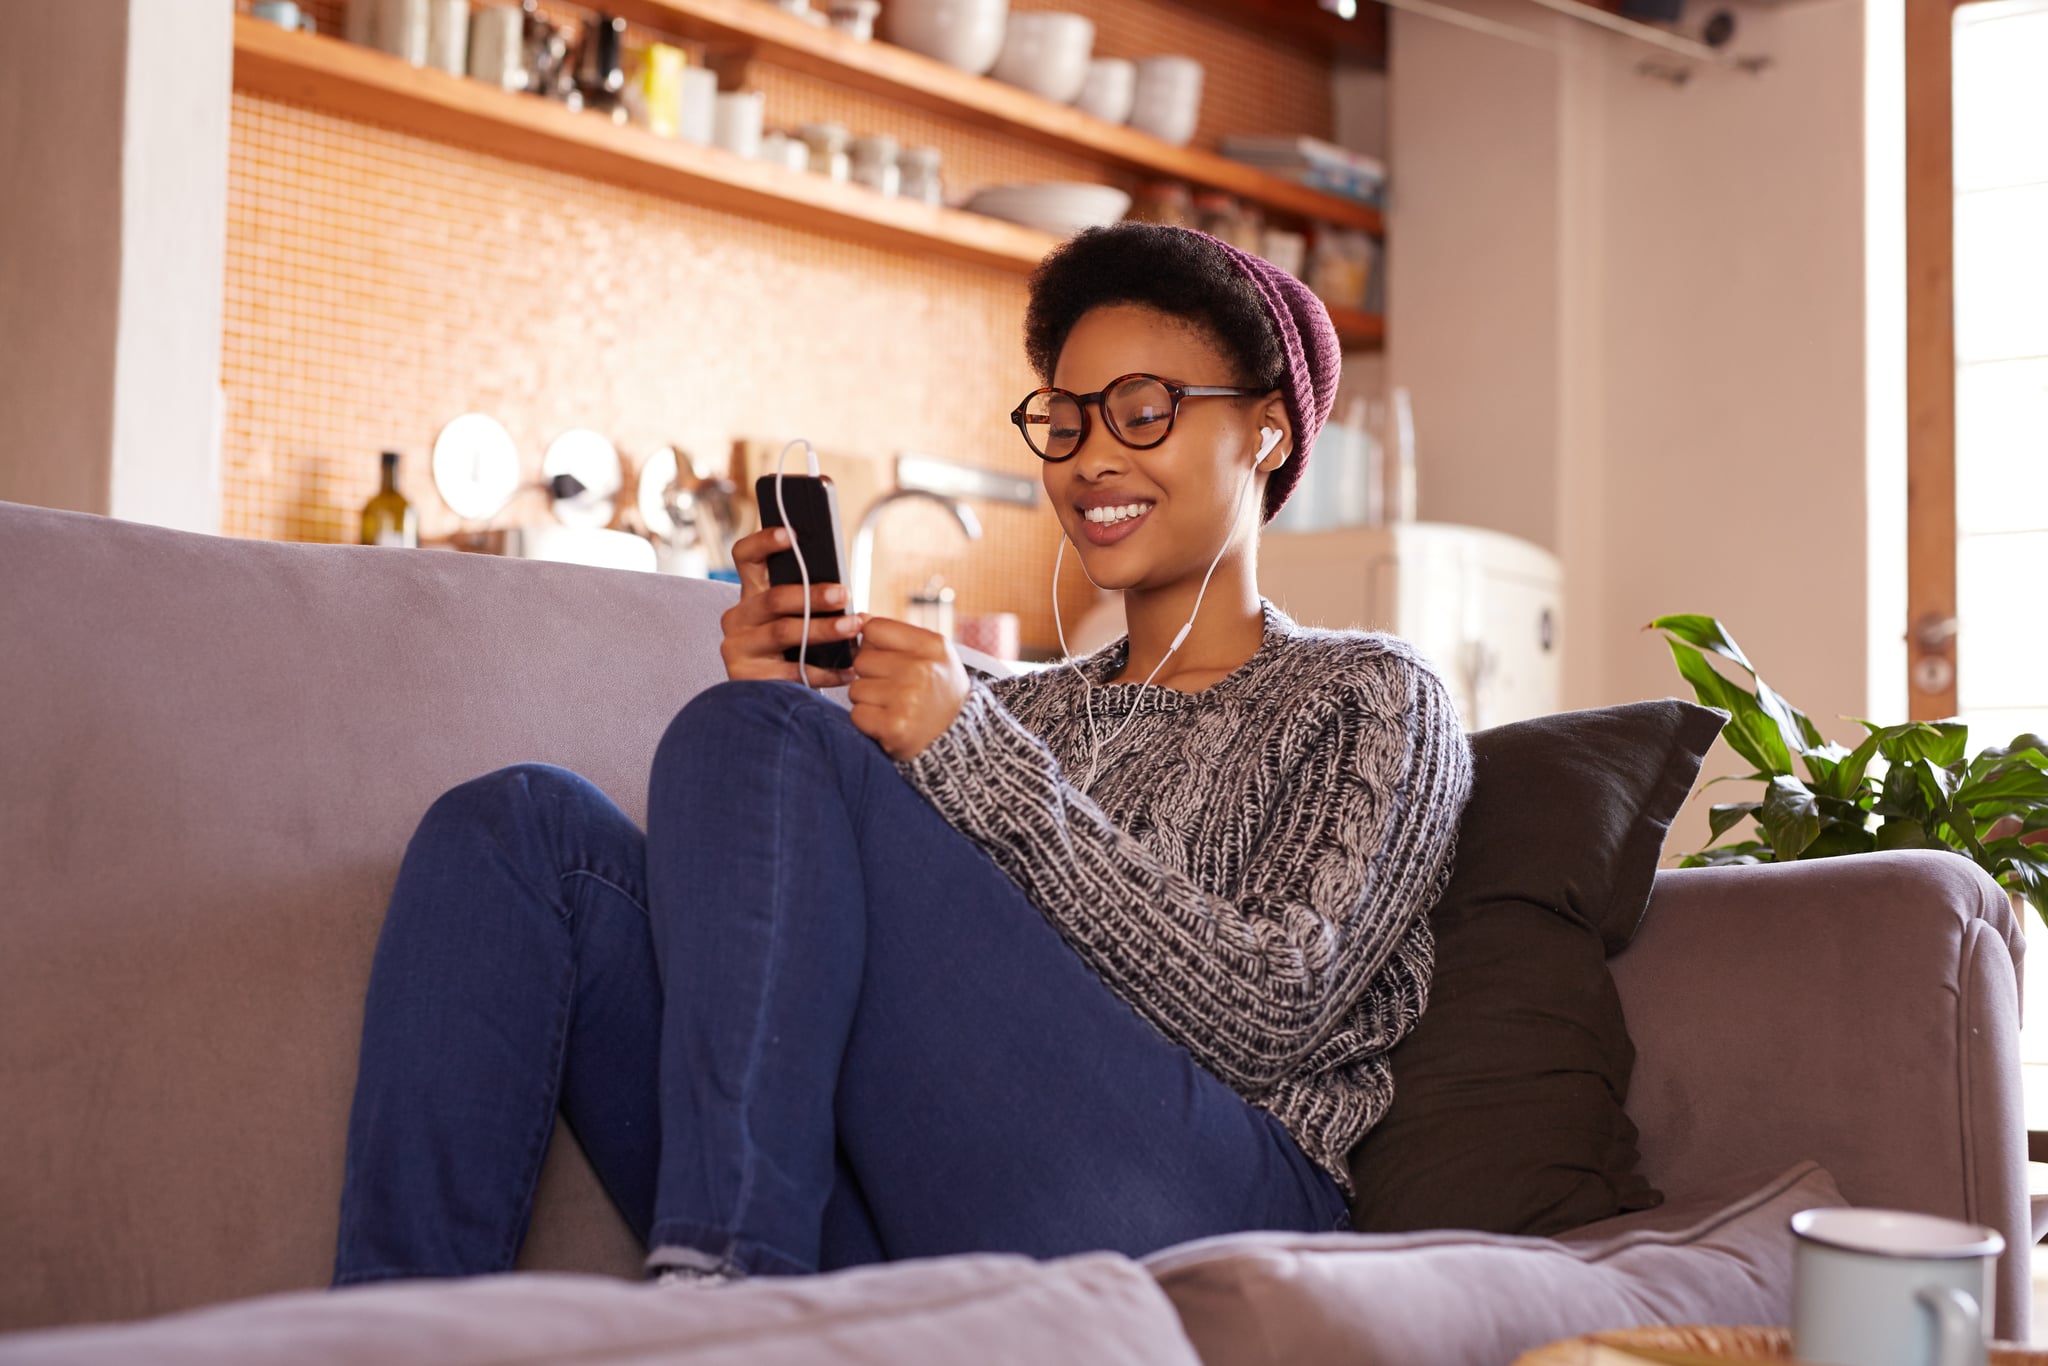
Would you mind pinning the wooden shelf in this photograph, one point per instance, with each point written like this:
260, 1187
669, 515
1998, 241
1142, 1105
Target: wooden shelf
361, 83
910, 78
1357, 329
358, 82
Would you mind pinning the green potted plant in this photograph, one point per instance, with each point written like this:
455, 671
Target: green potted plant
1908, 786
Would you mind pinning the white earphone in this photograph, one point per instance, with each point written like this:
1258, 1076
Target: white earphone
1269, 437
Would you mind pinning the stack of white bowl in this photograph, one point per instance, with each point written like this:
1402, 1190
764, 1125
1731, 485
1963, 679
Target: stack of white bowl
967, 34
1060, 208
1168, 100
1108, 89
1047, 54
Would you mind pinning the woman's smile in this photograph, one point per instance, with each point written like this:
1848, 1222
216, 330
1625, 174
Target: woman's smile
1109, 516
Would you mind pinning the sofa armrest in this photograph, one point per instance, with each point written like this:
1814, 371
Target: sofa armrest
1861, 1012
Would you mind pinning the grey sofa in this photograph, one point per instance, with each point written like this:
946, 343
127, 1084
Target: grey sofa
212, 753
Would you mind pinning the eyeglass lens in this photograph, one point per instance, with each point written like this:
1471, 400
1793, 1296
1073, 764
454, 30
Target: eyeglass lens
1139, 411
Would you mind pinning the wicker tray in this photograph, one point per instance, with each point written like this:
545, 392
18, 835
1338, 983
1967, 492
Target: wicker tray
1730, 1344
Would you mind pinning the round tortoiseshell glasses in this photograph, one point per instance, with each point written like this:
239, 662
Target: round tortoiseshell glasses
1138, 409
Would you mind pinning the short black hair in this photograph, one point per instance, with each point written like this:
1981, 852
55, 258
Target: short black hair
1183, 274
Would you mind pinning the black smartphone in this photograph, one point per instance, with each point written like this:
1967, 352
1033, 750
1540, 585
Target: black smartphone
813, 506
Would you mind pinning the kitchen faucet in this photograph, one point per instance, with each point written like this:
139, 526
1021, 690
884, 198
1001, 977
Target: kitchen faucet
864, 538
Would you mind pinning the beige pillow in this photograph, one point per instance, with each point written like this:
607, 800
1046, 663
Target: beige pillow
1481, 1299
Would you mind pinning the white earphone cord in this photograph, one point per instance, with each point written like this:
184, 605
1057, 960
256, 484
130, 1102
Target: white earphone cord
803, 667
1095, 743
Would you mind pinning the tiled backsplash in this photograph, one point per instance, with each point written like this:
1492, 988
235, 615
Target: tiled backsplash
379, 283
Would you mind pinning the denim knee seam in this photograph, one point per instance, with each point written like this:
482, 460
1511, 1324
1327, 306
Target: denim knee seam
748, 1254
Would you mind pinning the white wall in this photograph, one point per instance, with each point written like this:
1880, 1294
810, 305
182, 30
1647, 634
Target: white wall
1632, 317
113, 240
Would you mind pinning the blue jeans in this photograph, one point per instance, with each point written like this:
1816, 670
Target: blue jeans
801, 1024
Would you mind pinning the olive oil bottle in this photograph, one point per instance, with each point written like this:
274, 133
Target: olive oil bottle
388, 519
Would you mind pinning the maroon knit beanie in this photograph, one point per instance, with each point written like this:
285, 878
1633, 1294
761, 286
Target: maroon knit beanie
1309, 341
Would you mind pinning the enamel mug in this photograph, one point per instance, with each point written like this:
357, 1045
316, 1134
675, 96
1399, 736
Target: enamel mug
1874, 1287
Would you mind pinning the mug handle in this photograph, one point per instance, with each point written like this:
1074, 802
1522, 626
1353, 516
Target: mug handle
1962, 1325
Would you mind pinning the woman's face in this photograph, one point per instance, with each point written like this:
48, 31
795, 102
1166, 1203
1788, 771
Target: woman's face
1172, 504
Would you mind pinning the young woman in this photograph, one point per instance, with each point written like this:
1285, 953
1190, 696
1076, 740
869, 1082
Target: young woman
1106, 956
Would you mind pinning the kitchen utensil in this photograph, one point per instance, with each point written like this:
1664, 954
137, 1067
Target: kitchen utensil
1046, 53
1059, 208
403, 27
855, 18
1165, 201
995, 634
496, 48
659, 482
826, 143
547, 57
1287, 250
700, 105
873, 163
655, 92
585, 545
932, 607
918, 175
1167, 99
967, 34
600, 67
594, 461
736, 121
448, 36
284, 14
1109, 89
1876, 1287
476, 466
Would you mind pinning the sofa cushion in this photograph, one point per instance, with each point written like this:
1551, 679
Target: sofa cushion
1507, 1113
989, 1309
1480, 1299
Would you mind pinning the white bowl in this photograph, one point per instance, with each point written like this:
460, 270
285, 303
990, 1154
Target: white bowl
1047, 54
967, 34
1167, 102
1109, 90
1060, 208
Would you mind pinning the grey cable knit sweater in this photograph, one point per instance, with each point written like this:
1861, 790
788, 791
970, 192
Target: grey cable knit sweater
1252, 867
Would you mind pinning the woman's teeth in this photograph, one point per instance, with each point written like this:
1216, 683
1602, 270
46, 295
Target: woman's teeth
1108, 516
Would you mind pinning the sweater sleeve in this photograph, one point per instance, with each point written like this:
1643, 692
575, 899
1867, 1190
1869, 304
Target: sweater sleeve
1354, 847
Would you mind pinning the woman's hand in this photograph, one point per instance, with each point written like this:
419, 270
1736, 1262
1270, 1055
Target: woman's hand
908, 685
768, 620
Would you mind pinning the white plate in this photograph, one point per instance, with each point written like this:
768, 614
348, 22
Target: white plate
476, 466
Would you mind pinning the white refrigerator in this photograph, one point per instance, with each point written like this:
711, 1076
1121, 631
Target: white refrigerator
1484, 607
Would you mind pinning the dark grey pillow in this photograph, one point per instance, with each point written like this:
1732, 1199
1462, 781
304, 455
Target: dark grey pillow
1507, 1112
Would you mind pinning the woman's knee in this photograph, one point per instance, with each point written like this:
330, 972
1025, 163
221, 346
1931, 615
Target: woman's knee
501, 798
730, 718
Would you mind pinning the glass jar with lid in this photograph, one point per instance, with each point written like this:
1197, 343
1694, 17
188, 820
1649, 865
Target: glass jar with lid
1164, 201
874, 163
827, 144
918, 175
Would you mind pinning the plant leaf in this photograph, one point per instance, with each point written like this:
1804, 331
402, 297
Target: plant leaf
1750, 732
1849, 776
2018, 783
1728, 814
1793, 726
1704, 633
1790, 817
1837, 838
1941, 741
1903, 834
1823, 762
2026, 872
